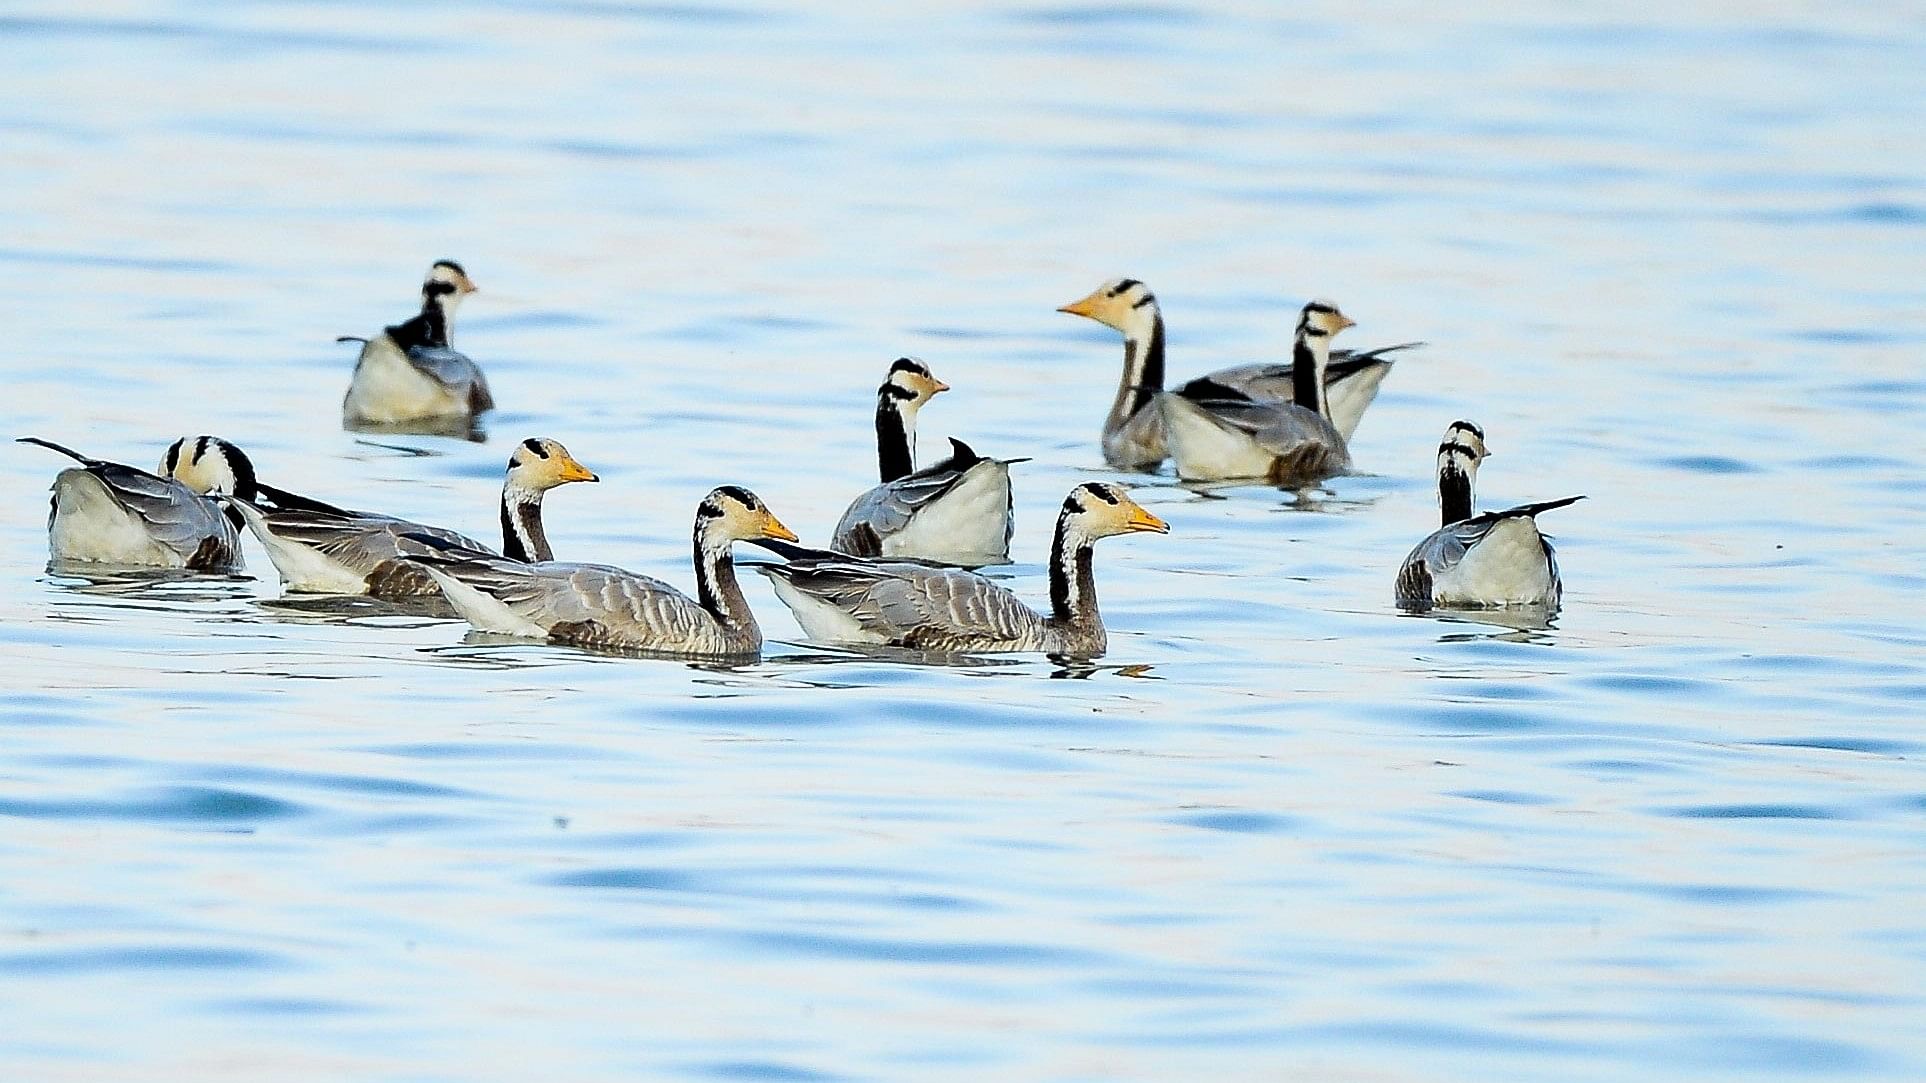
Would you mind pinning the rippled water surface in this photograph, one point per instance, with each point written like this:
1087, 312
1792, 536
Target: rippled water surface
1280, 831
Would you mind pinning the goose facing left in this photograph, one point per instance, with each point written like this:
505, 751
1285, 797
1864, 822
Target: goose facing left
599, 605
322, 549
409, 372
110, 513
1487, 561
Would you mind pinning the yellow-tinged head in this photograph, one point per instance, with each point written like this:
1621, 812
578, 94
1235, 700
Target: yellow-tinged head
1118, 303
540, 464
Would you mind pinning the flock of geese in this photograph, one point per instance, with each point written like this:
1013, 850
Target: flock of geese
897, 571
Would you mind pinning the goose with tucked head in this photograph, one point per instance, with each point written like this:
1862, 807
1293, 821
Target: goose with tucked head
321, 548
599, 605
838, 599
410, 373
110, 513
956, 511
1498, 559
1133, 433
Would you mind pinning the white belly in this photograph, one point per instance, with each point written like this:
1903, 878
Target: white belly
387, 389
90, 526
822, 622
969, 525
1205, 449
1508, 567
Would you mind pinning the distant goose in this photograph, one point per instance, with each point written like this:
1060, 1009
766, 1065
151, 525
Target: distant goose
1133, 434
924, 607
409, 372
107, 513
957, 511
322, 549
596, 605
1491, 560
1216, 432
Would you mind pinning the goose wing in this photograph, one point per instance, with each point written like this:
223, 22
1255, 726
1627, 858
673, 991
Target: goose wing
1273, 381
1282, 428
888, 508
173, 515
911, 604
454, 370
358, 540
593, 603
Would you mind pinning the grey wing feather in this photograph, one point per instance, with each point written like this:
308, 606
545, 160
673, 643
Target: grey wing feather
449, 367
1447, 546
915, 605
360, 541
175, 516
623, 607
888, 508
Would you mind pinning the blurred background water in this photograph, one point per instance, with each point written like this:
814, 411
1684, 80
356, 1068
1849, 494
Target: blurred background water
1669, 259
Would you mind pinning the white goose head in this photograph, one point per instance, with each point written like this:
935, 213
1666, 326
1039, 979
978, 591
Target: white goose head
1321, 319
540, 464
730, 514
909, 385
208, 464
1123, 303
1099, 509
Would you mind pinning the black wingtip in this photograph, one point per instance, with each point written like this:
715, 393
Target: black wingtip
1205, 389
792, 551
51, 446
351, 338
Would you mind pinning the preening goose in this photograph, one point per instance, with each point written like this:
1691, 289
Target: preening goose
1133, 436
1485, 561
409, 372
948, 610
322, 549
957, 511
108, 513
596, 605
1216, 432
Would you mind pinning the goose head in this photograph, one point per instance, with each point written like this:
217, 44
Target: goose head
1462, 448
1321, 319
1122, 303
208, 464
540, 464
731, 513
909, 385
446, 279
1098, 509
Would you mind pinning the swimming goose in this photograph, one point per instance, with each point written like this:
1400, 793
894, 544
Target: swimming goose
1491, 560
322, 549
957, 511
1133, 436
596, 605
1217, 432
108, 513
923, 607
408, 372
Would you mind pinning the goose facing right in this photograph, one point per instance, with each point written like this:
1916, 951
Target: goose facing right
956, 511
1487, 561
409, 372
599, 605
322, 549
109, 513
951, 611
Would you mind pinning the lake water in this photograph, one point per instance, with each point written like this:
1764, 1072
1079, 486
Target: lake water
1280, 832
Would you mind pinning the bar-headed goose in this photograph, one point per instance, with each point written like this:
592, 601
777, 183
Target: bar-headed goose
322, 549
1133, 436
597, 605
1485, 561
409, 373
1216, 432
108, 513
957, 511
948, 610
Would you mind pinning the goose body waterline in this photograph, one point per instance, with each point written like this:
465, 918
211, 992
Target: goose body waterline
1134, 430
949, 610
319, 548
957, 510
600, 605
1215, 432
409, 372
110, 513
1493, 560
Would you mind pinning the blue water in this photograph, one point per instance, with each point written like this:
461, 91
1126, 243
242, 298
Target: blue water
1280, 832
